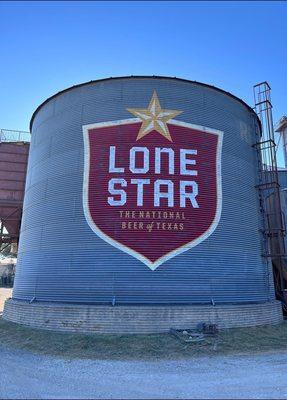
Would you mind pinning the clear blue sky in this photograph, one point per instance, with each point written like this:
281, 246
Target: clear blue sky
48, 46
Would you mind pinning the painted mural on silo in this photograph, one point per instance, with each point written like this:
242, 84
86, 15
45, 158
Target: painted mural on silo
152, 184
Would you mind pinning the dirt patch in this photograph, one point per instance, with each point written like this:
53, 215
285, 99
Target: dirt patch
144, 347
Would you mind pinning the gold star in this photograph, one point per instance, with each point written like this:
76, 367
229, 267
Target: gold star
154, 118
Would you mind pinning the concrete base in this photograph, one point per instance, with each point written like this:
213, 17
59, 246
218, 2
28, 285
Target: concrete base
138, 319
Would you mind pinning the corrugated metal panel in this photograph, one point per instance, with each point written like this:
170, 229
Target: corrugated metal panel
13, 165
61, 258
282, 176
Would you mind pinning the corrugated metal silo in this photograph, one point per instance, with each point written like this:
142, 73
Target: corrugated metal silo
141, 192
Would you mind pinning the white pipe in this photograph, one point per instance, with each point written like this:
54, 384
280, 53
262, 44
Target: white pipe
284, 137
282, 129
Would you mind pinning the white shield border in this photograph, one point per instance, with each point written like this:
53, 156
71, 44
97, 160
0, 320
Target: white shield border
120, 246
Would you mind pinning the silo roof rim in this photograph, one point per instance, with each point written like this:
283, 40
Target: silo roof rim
139, 77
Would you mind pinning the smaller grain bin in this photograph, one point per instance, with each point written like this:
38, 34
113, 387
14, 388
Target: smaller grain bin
141, 212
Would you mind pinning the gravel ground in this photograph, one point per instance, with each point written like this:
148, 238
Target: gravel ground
25, 375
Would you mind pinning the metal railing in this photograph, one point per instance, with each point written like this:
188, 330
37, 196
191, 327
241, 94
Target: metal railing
12, 136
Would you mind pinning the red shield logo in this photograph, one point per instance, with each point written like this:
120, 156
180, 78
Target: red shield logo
152, 184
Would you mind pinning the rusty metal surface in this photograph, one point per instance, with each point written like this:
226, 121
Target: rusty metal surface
13, 166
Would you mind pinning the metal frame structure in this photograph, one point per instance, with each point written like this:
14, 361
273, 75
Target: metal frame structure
273, 222
7, 239
12, 136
